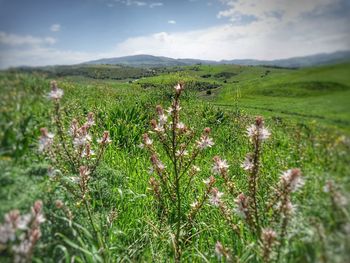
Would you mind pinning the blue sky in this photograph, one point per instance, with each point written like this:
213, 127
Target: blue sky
44, 32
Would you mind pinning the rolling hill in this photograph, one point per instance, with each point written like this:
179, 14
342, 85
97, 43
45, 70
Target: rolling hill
157, 61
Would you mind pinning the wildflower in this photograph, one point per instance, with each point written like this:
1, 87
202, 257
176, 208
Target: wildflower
150, 170
291, 180
158, 127
181, 153
105, 138
337, 198
178, 88
220, 166
257, 131
268, 235
205, 142
82, 137
209, 181
248, 164
45, 140
157, 164
287, 208
84, 171
90, 119
73, 130
55, 93
161, 116
194, 204
169, 110
215, 198
87, 152
30, 223
180, 126
194, 170
242, 205
268, 239
221, 251
147, 140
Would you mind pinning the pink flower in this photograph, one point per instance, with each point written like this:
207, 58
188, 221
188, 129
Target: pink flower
291, 180
45, 140
204, 142
215, 198
242, 205
220, 166
55, 93
105, 138
248, 164
90, 119
257, 131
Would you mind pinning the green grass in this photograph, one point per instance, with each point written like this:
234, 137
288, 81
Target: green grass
307, 111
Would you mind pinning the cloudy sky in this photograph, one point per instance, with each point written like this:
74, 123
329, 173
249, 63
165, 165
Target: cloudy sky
45, 32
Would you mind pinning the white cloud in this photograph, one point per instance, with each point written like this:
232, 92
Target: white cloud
262, 10
138, 3
156, 4
20, 40
277, 32
261, 39
55, 27
41, 56
173, 22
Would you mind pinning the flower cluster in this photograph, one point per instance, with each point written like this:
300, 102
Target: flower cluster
338, 200
72, 148
45, 140
268, 240
55, 94
247, 207
257, 131
29, 225
173, 177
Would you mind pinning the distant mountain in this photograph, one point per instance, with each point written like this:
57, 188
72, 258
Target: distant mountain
156, 61
296, 62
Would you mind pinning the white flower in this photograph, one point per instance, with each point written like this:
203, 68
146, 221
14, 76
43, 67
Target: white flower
194, 204
82, 140
215, 198
45, 140
179, 87
206, 181
159, 127
242, 205
162, 119
219, 249
105, 138
248, 164
180, 153
220, 166
257, 131
180, 126
205, 142
90, 119
55, 94
288, 208
87, 153
292, 180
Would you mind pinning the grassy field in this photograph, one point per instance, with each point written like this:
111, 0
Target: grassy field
120, 219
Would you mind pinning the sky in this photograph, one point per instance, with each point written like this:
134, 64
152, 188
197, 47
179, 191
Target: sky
51, 32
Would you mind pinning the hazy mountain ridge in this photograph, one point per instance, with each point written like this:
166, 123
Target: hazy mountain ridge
159, 61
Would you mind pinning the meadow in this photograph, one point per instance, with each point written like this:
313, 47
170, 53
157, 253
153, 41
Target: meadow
140, 198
